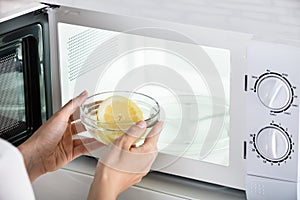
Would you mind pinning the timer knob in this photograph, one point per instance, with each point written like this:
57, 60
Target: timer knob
274, 91
273, 143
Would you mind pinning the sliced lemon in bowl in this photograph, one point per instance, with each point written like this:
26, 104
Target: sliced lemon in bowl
108, 115
118, 113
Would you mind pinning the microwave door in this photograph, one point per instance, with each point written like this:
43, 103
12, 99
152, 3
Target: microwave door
203, 133
24, 102
20, 95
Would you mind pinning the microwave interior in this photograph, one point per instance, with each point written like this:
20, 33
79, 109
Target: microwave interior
191, 76
101, 60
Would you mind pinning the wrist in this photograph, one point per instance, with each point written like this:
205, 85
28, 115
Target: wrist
31, 161
102, 189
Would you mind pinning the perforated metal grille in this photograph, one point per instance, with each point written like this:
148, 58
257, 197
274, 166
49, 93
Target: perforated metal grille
12, 103
89, 50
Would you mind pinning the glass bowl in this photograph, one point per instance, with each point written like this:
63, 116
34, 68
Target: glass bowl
101, 130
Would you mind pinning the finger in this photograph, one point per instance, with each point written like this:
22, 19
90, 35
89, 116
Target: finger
76, 114
130, 137
150, 143
85, 146
77, 127
153, 135
72, 105
126, 161
82, 140
93, 103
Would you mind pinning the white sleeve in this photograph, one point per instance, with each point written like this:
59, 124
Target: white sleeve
14, 180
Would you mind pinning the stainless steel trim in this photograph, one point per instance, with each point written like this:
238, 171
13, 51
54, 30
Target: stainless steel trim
54, 60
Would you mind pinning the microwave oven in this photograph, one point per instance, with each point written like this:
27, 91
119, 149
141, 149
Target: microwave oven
229, 102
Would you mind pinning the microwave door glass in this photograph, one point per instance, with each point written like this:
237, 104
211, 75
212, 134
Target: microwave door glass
12, 101
20, 102
189, 81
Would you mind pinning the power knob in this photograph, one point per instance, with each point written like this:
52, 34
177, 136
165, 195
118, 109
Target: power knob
274, 91
273, 143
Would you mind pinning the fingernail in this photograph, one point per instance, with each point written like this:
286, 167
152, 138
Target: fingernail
82, 93
141, 124
161, 123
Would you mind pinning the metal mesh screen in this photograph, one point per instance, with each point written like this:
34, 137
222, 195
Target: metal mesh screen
12, 102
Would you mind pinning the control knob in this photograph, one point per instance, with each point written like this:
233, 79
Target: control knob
274, 91
273, 143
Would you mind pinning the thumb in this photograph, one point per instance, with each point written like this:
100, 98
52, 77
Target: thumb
72, 105
133, 133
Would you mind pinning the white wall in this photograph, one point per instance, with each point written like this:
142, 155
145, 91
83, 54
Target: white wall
10, 5
270, 20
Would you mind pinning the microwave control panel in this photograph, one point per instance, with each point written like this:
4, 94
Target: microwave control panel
272, 114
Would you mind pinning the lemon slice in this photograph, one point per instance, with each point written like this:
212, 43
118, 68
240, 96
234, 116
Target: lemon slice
118, 113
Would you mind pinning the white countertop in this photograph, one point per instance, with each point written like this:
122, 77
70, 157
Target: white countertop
74, 180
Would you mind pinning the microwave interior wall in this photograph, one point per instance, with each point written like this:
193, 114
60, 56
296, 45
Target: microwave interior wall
111, 61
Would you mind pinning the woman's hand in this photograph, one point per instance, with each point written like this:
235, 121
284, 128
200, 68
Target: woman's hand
123, 164
51, 146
